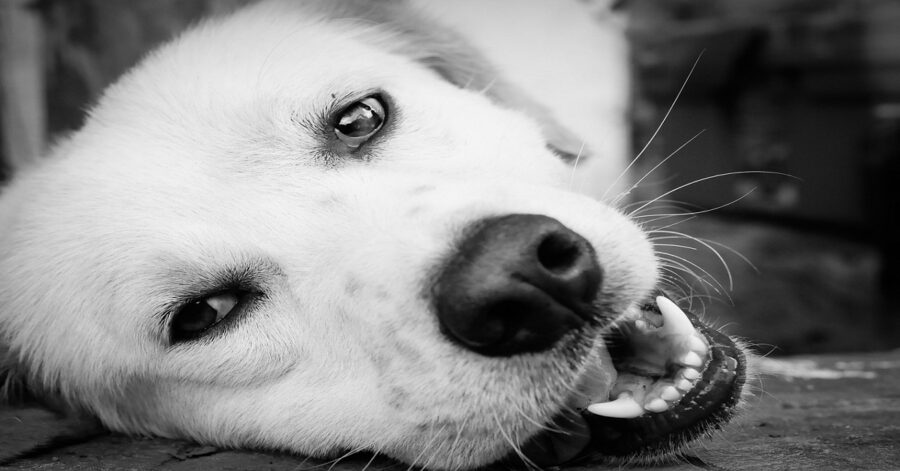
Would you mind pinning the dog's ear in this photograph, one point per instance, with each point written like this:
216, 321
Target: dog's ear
462, 65
413, 34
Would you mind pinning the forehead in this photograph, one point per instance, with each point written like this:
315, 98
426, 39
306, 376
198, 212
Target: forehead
232, 99
273, 51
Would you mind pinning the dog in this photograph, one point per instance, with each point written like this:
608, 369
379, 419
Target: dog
325, 226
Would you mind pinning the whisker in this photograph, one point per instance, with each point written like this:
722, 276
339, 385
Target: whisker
712, 249
426, 448
698, 267
718, 175
736, 253
676, 264
516, 448
659, 216
705, 284
698, 297
654, 237
334, 462
488, 86
658, 164
575, 166
679, 246
702, 298
675, 280
654, 240
670, 203
658, 128
458, 436
672, 275
541, 426
371, 460
671, 225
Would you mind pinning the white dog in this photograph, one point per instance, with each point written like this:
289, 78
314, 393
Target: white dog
331, 226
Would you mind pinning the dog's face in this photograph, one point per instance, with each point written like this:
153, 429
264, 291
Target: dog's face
286, 232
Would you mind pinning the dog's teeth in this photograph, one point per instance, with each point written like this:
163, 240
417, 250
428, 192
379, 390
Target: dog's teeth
691, 359
640, 324
675, 322
657, 405
689, 374
683, 385
625, 407
670, 393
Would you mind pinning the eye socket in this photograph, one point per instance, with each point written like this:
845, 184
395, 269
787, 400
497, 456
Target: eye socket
569, 155
198, 316
357, 123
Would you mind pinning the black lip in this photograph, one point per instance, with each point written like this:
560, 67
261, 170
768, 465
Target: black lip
707, 406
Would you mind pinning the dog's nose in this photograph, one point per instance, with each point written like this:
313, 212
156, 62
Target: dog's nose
517, 284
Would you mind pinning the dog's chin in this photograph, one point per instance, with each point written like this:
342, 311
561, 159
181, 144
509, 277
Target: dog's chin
669, 389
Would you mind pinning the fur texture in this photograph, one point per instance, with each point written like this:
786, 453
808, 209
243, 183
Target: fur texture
212, 164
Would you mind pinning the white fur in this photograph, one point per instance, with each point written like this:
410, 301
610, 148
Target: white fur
207, 156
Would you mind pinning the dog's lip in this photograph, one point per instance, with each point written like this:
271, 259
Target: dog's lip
577, 435
568, 438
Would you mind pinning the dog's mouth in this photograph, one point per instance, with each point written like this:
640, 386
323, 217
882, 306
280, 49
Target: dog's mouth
677, 379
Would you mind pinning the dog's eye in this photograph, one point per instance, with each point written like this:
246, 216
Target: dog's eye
200, 315
564, 155
360, 121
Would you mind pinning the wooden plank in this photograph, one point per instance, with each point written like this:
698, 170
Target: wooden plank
838, 412
819, 413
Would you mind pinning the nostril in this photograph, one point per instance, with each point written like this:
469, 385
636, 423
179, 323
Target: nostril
558, 253
495, 321
515, 284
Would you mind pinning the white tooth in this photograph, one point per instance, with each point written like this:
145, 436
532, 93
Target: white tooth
697, 344
683, 385
657, 405
625, 407
675, 322
689, 374
670, 394
691, 359
642, 325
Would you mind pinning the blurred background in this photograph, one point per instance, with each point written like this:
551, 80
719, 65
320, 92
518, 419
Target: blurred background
809, 89
777, 211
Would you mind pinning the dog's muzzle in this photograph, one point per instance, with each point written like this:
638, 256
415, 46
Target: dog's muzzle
657, 404
520, 283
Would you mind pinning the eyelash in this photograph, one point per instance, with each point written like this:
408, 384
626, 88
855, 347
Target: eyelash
324, 121
245, 282
372, 106
243, 304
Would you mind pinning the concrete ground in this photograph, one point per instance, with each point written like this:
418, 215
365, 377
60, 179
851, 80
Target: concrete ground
837, 412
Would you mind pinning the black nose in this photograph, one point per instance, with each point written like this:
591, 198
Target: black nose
517, 284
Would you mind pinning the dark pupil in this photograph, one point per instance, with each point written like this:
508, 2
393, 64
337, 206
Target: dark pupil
195, 317
359, 121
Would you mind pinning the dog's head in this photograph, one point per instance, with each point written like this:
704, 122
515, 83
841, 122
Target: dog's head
288, 231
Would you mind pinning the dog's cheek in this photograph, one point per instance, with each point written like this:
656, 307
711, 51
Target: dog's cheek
382, 252
289, 415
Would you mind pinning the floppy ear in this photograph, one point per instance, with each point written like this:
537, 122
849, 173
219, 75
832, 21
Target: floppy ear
450, 55
413, 34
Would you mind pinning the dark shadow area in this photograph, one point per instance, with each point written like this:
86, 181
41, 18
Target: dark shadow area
797, 106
